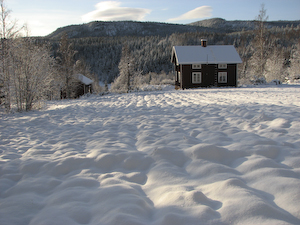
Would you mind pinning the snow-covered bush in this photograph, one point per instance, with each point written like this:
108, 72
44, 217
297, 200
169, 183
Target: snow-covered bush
119, 85
293, 80
275, 82
162, 78
141, 82
258, 80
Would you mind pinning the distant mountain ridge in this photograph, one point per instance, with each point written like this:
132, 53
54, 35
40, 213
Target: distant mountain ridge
219, 23
123, 28
133, 28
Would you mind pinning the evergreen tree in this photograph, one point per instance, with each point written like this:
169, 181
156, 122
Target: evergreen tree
126, 65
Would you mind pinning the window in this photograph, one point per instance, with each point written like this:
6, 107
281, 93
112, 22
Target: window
196, 66
222, 66
222, 77
196, 78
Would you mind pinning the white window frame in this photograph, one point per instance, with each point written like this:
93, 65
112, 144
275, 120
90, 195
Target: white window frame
196, 66
222, 66
196, 78
222, 77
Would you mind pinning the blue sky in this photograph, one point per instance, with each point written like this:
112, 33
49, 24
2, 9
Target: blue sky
43, 17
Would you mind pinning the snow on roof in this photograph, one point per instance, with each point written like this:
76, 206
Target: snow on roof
213, 54
84, 79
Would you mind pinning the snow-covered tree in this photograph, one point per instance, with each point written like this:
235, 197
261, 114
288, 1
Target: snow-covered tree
66, 62
32, 73
122, 83
274, 66
294, 70
258, 59
9, 31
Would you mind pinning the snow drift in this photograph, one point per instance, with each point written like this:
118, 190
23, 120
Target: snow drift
207, 156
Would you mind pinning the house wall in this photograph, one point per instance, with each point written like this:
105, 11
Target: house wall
83, 89
209, 74
176, 73
177, 77
207, 79
231, 75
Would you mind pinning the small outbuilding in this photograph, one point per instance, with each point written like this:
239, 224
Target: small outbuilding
205, 66
84, 85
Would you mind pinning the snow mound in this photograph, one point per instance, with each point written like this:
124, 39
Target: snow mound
214, 153
203, 156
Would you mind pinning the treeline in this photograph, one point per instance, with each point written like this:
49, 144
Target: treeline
102, 54
152, 54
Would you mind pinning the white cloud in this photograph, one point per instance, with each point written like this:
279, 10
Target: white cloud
198, 13
112, 11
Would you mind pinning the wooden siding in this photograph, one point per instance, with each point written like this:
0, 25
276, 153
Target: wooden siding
209, 76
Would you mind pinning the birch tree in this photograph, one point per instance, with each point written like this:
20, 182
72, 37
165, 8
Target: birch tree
9, 31
259, 57
32, 73
65, 59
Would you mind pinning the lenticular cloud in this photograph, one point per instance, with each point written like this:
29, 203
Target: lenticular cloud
198, 13
112, 11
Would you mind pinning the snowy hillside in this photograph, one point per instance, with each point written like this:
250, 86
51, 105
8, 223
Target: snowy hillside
123, 28
206, 156
238, 25
134, 28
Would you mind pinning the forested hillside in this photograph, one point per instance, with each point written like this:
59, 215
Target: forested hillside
135, 28
123, 28
220, 24
150, 44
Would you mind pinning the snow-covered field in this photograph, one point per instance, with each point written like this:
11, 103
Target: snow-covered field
206, 156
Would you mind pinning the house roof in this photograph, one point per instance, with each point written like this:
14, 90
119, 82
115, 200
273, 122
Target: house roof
212, 54
85, 80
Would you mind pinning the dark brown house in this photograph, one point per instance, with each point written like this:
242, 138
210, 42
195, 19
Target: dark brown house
205, 66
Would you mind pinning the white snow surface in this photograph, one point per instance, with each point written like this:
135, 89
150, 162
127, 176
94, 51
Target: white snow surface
202, 156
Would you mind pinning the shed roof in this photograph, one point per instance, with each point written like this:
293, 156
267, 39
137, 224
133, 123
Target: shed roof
213, 54
85, 80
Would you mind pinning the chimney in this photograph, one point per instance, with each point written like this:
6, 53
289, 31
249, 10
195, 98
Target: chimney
203, 42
